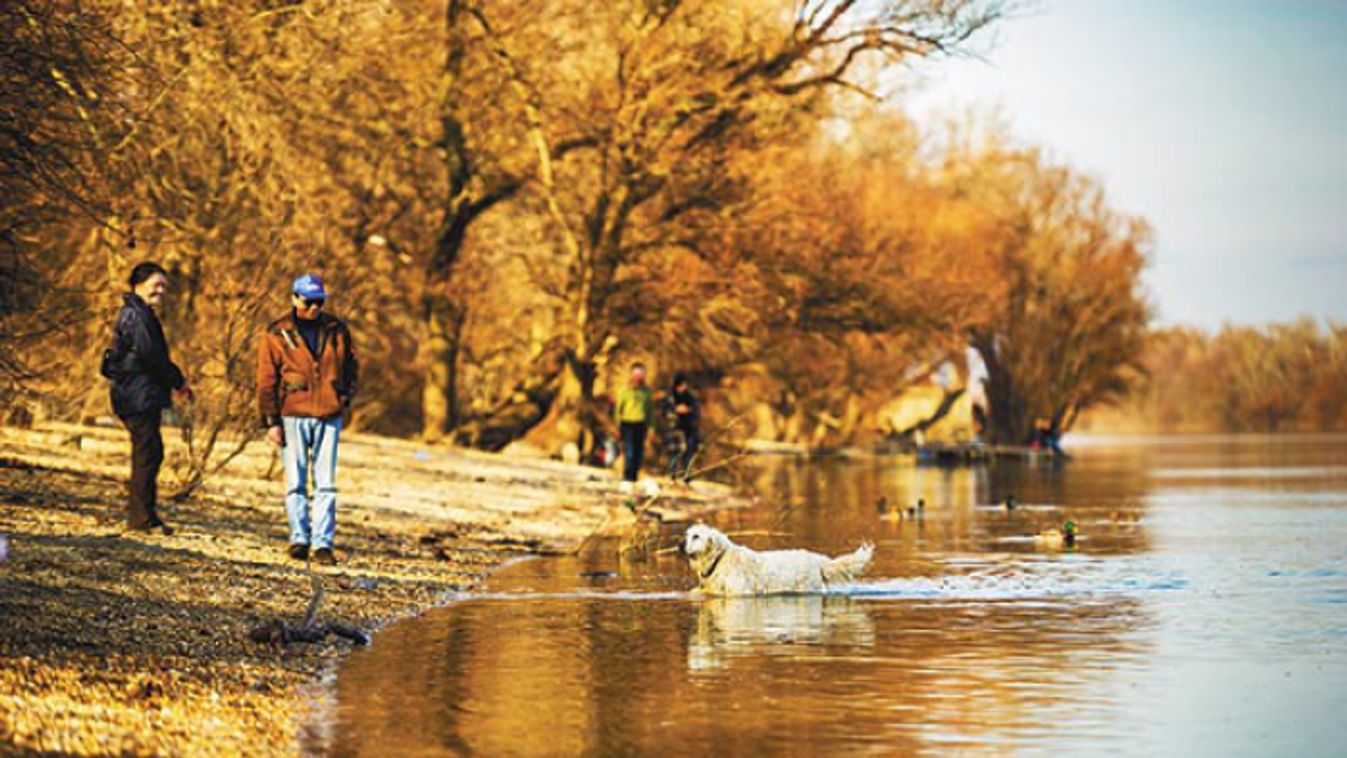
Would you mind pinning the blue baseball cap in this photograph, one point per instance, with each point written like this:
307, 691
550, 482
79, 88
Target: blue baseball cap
309, 286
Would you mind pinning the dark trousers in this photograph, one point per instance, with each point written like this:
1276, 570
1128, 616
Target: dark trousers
147, 453
633, 449
691, 441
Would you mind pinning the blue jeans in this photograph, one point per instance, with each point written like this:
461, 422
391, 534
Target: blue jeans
311, 442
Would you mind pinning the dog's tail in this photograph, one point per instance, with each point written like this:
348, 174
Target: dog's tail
845, 568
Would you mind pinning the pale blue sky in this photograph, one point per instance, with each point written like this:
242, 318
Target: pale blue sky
1223, 122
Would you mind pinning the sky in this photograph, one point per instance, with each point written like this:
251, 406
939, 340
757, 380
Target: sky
1222, 122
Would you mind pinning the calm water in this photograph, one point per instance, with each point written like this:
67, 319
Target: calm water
1203, 613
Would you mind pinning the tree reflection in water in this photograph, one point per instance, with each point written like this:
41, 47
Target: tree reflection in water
966, 638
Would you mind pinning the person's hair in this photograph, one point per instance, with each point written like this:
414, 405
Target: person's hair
679, 378
143, 271
637, 365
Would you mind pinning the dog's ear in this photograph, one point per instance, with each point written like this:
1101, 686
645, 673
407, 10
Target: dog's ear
720, 538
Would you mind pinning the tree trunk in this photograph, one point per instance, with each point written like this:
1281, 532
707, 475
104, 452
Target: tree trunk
444, 319
570, 418
445, 313
574, 416
793, 425
528, 403
849, 430
946, 405
1006, 421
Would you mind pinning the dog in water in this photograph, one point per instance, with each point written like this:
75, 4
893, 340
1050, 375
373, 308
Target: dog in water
726, 569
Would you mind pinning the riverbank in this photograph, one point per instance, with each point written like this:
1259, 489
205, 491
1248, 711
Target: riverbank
949, 454
138, 645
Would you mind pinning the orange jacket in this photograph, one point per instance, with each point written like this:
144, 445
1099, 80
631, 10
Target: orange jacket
292, 382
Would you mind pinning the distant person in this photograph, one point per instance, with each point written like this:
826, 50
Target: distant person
686, 413
1037, 433
1046, 437
633, 412
1053, 441
144, 380
306, 379
979, 423
604, 452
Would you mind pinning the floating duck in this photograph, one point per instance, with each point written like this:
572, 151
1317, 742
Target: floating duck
918, 510
886, 513
1011, 502
1064, 537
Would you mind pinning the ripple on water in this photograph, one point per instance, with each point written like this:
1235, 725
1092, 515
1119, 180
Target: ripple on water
1028, 586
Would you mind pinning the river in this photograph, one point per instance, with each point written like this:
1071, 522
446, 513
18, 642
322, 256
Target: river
1202, 612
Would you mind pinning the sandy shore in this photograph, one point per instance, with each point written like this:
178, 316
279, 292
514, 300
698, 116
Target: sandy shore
138, 645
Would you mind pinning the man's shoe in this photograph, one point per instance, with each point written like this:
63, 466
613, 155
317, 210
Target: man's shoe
299, 551
324, 556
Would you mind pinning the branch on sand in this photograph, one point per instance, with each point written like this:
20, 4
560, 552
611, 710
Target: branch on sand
277, 632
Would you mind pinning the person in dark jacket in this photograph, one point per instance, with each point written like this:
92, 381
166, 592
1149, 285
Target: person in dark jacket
144, 379
686, 413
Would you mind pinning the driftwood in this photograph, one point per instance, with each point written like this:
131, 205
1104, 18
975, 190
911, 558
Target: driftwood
277, 632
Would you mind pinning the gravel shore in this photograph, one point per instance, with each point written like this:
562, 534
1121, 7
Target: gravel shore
120, 644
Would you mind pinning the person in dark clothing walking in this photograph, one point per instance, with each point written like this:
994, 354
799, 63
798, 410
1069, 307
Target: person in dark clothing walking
686, 413
144, 380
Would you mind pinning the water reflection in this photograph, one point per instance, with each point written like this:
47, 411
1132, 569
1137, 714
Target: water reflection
763, 676
1200, 614
794, 625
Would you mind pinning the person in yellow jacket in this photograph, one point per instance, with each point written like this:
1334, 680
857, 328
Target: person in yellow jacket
633, 412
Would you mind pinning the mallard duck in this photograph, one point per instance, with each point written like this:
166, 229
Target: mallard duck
885, 512
918, 510
1064, 537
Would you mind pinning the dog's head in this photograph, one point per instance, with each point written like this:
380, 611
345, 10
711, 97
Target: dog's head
703, 544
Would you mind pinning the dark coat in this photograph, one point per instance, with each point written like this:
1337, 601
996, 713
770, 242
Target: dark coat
687, 422
143, 377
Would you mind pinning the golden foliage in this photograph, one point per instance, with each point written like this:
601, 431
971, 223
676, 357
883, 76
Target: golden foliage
510, 201
1279, 377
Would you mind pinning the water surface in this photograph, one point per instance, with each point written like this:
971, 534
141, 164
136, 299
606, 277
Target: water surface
1204, 612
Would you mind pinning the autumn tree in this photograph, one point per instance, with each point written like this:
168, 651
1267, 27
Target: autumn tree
508, 200
200, 176
1326, 403
60, 67
632, 129
867, 276
1270, 378
1068, 332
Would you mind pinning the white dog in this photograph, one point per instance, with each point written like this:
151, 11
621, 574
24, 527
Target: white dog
724, 568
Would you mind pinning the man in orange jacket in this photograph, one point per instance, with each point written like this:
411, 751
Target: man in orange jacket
306, 378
